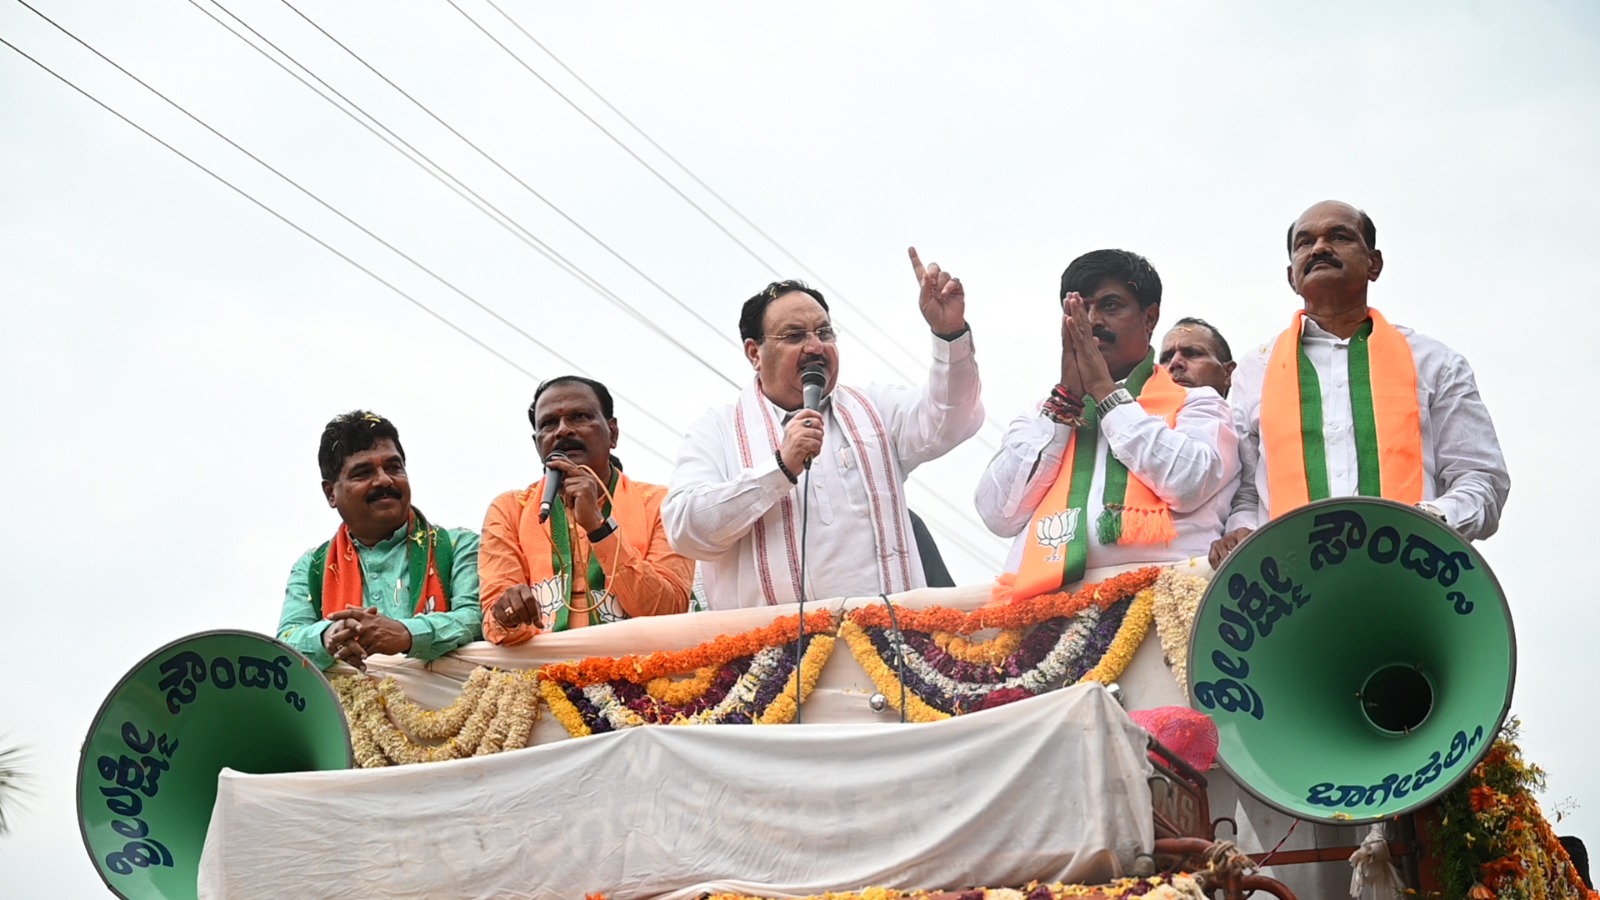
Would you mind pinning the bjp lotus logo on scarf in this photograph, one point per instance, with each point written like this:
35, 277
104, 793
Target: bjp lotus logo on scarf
1057, 531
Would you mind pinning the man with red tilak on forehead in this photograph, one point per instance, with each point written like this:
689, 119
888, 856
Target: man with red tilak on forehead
736, 500
1343, 403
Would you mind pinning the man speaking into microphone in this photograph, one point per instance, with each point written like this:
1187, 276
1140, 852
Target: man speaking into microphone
803, 478
583, 545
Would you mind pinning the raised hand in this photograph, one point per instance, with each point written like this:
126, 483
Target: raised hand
1070, 379
943, 300
1092, 370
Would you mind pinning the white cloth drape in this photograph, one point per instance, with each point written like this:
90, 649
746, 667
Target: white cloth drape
1048, 788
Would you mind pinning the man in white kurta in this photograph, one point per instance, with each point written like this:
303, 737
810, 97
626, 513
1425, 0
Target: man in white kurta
1111, 300
1464, 481
778, 501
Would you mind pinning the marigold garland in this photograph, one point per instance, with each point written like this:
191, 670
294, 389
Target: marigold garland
1495, 841
782, 708
495, 712
742, 678
884, 678
1019, 614
1135, 625
716, 652
1157, 887
1088, 635
679, 692
989, 652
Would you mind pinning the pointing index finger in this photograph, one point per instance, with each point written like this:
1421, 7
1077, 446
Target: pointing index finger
916, 264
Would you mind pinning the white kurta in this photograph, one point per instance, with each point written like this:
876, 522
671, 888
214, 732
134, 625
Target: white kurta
1193, 466
1464, 473
714, 501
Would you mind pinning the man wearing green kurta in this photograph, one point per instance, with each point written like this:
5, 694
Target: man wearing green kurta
388, 582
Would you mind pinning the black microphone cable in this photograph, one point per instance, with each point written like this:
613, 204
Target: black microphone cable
899, 652
800, 642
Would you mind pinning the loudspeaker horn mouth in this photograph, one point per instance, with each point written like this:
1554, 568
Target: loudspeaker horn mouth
1358, 658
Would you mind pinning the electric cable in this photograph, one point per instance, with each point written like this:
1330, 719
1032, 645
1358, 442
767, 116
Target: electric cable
284, 219
739, 214
610, 295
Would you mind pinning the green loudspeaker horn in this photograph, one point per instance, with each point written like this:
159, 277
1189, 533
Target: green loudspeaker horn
1358, 658
147, 775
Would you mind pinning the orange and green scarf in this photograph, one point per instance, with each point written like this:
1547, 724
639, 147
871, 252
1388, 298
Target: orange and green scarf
1383, 405
335, 574
1057, 550
549, 551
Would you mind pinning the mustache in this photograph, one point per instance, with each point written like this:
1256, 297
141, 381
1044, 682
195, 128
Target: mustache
1104, 334
566, 445
382, 493
1328, 258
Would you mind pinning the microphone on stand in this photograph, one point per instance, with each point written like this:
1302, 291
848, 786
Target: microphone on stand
813, 378
552, 485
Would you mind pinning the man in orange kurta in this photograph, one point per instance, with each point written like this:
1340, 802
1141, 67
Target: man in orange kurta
602, 554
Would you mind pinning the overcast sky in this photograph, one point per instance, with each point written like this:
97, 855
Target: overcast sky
170, 351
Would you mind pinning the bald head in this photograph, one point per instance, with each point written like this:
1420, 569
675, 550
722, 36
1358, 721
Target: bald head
1332, 259
1369, 230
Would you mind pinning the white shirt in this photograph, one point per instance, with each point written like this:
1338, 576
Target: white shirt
1193, 467
713, 501
1464, 473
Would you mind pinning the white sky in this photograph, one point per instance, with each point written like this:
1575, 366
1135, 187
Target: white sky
169, 352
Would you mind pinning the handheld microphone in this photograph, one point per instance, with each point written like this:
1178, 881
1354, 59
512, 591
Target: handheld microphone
552, 485
813, 378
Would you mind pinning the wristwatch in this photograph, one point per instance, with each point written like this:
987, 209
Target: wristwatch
1434, 511
1113, 400
604, 531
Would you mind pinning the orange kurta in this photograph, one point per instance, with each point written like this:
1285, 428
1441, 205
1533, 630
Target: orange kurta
642, 571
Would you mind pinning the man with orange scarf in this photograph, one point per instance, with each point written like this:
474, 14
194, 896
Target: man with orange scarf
1343, 403
388, 581
1120, 465
602, 554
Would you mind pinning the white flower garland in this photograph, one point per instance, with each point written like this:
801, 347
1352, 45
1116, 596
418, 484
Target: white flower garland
495, 712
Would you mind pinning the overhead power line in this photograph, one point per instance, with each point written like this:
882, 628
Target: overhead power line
610, 295
739, 214
952, 533
303, 231
951, 536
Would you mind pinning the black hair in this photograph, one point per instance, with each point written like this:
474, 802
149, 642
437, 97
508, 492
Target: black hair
1091, 268
1369, 231
607, 408
350, 433
754, 314
1224, 353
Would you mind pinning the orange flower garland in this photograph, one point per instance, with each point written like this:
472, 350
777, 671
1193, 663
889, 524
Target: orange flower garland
1494, 838
593, 694
946, 627
1020, 614
715, 652
988, 652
